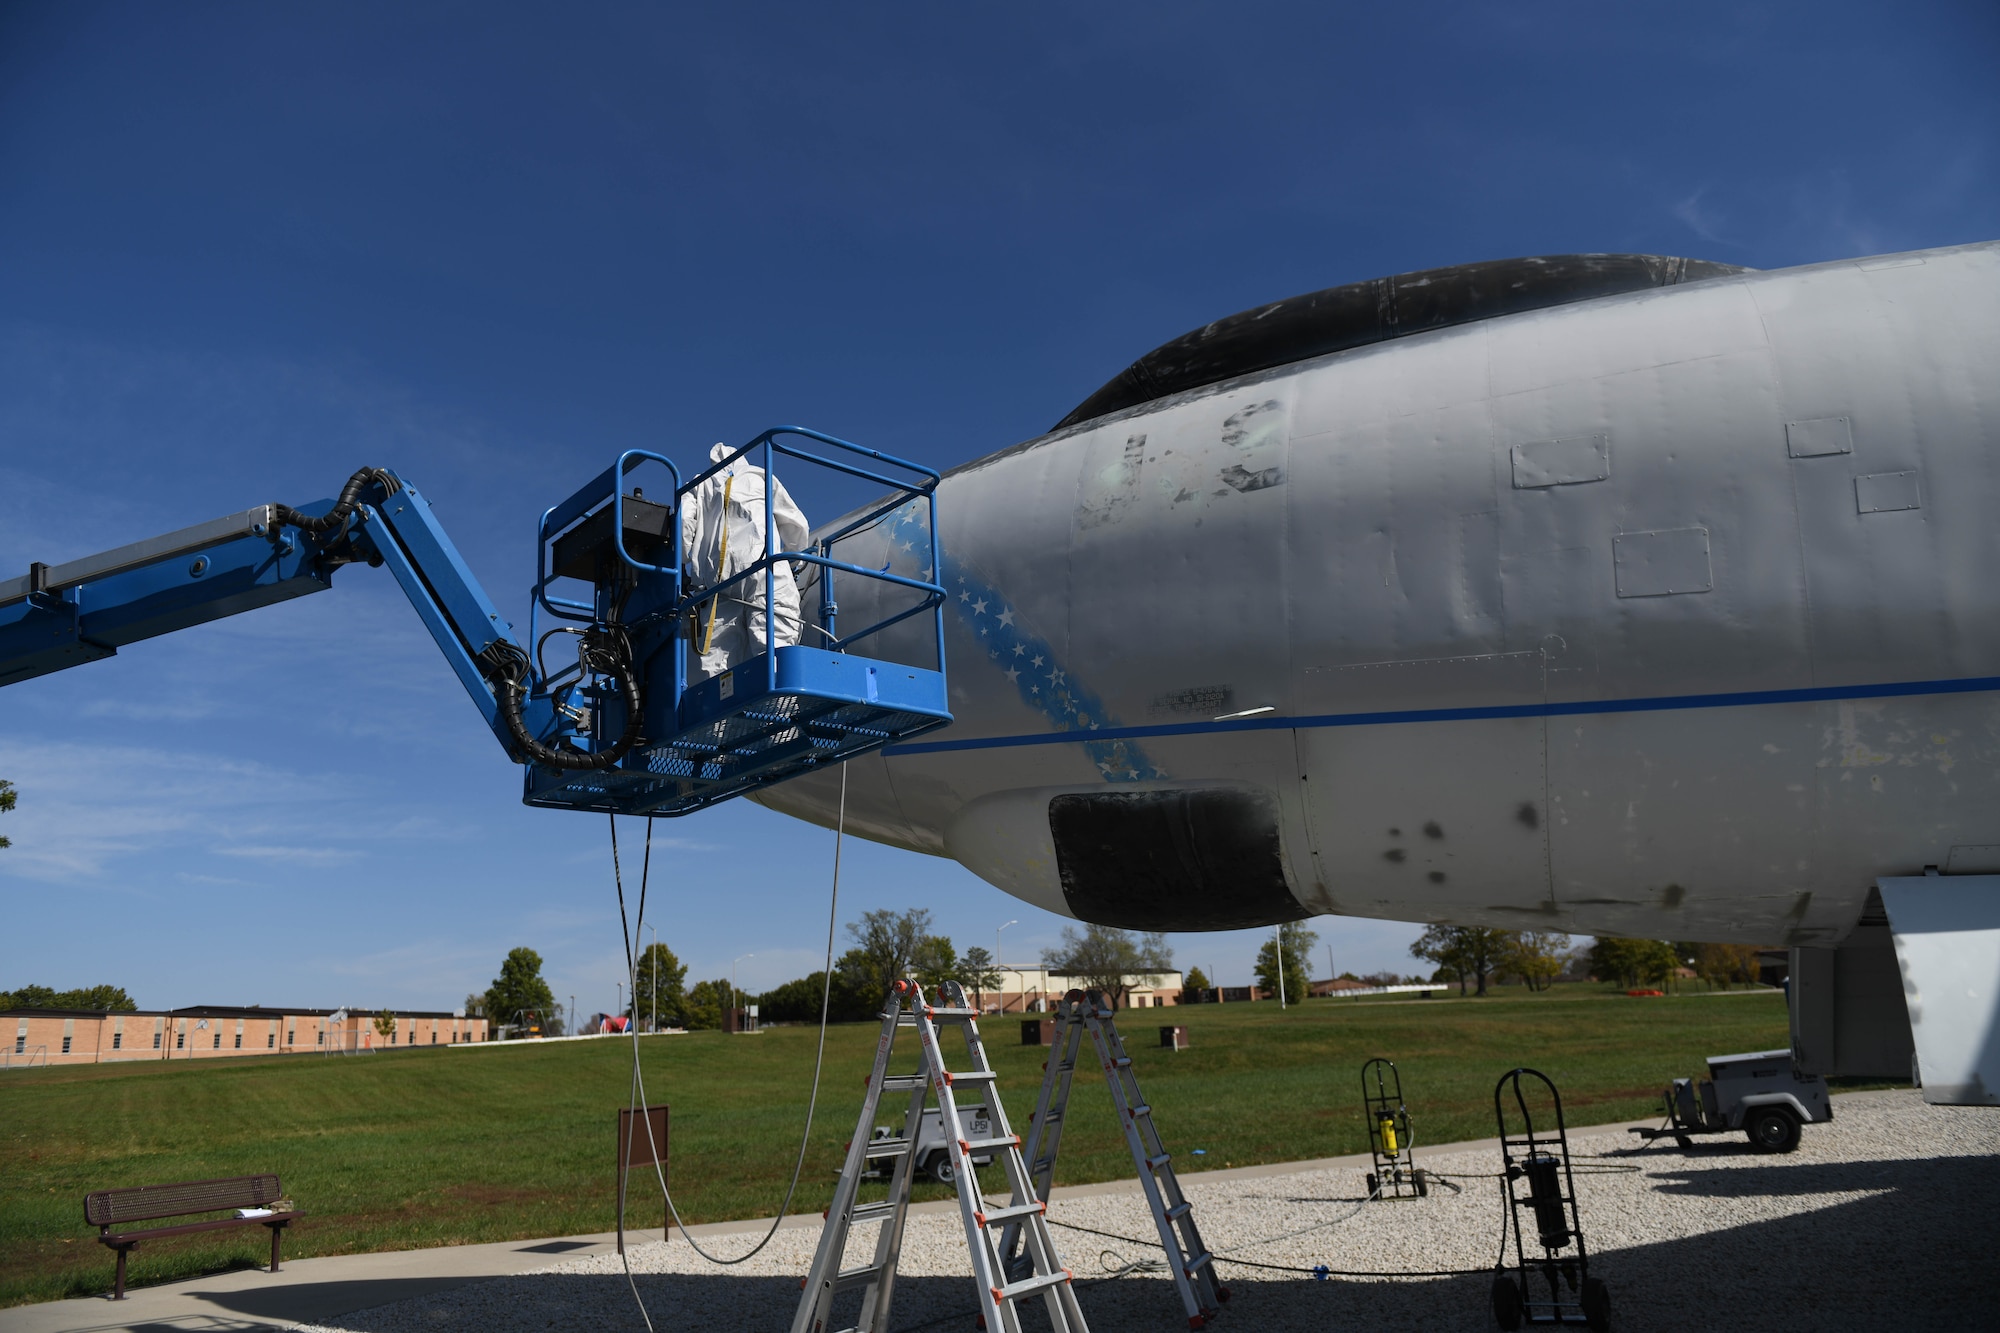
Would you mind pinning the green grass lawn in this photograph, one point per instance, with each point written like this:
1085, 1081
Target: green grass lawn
436, 1147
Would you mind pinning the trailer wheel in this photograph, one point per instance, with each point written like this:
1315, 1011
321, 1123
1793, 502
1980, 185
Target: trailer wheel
1422, 1182
939, 1168
1596, 1304
1507, 1309
1772, 1129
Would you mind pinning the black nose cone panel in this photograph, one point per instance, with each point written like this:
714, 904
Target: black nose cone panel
1205, 859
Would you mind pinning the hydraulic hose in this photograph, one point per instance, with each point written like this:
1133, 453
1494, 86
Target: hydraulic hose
603, 651
343, 508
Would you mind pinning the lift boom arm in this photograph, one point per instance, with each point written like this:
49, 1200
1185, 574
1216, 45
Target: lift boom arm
64, 615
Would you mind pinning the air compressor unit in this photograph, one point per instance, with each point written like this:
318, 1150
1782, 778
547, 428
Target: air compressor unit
1761, 1093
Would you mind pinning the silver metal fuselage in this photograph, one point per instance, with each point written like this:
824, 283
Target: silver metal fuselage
1673, 614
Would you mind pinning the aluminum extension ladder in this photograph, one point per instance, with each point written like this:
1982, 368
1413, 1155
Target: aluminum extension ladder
1041, 1274
1192, 1264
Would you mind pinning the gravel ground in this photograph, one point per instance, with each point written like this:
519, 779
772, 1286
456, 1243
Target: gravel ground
1886, 1214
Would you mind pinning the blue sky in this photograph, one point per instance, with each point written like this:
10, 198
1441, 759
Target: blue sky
245, 249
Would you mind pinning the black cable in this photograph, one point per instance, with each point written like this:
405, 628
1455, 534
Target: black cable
604, 651
344, 507
1282, 1268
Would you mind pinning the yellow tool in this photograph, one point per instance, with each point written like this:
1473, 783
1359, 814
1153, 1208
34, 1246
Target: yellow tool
721, 559
1387, 1126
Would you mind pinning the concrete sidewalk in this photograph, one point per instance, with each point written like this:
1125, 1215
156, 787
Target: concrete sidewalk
318, 1290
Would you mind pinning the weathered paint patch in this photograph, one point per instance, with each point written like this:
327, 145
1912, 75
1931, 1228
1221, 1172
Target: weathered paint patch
1255, 439
1013, 648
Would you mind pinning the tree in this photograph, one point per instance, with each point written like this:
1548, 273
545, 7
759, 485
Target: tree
1296, 958
1196, 979
385, 1025
103, 999
886, 949
1535, 956
7, 798
935, 962
657, 983
1723, 965
1630, 963
705, 1003
475, 1005
519, 989
799, 1001
1104, 957
978, 970
1462, 951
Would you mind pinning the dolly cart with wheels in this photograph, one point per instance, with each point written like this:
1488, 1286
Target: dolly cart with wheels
1554, 1286
1396, 1175
1761, 1093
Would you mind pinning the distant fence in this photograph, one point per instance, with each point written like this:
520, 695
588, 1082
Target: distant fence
25, 1059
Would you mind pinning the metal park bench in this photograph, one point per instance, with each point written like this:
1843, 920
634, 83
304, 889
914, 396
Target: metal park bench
111, 1210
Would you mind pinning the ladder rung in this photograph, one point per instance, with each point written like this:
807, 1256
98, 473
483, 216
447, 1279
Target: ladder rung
1155, 1163
906, 1019
902, 1082
1198, 1262
997, 1216
888, 1147
1122, 1062
869, 1212
952, 1078
851, 1278
1014, 1291
1138, 1111
955, 1015
984, 1145
1179, 1210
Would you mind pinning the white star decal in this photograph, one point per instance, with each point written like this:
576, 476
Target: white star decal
979, 607
1038, 660
1020, 648
965, 597
1007, 617
1056, 675
1013, 674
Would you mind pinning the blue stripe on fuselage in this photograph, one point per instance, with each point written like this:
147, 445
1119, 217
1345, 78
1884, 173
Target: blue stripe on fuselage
1664, 703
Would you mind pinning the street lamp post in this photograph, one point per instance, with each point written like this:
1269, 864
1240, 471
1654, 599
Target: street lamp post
1279, 939
997, 963
732, 977
653, 979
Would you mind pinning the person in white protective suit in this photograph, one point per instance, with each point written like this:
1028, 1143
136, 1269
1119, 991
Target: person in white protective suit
722, 534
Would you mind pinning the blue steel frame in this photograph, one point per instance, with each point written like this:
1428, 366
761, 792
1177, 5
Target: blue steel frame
702, 737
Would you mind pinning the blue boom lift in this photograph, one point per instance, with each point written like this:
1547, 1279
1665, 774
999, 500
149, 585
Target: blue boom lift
622, 728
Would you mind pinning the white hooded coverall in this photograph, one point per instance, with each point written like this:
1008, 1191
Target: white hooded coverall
739, 615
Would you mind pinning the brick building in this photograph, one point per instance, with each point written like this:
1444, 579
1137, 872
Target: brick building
90, 1036
1036, 989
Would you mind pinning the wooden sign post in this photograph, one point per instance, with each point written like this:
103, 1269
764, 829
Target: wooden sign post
637, 1147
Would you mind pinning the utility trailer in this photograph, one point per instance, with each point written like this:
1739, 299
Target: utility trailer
933, 1156
1761, 1093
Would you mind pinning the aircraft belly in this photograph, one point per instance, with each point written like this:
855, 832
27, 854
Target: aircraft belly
1694, 824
